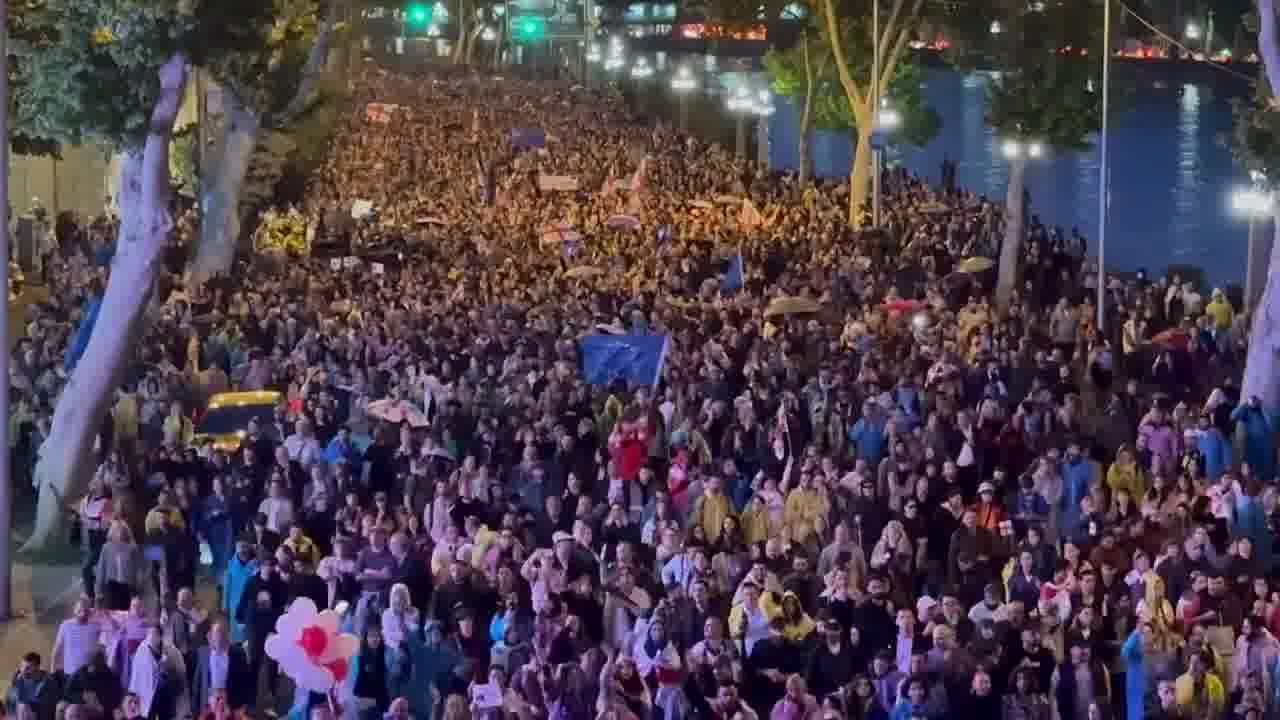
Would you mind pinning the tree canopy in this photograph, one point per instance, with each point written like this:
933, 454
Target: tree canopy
1047, 83
89, 68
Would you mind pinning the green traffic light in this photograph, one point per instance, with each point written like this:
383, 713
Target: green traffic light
419, 14
531, 28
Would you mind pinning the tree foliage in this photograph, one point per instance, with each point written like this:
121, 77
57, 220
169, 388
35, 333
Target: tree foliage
89, 68
920, 122
1046, 57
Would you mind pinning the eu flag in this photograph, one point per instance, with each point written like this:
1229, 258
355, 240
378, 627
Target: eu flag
634, 358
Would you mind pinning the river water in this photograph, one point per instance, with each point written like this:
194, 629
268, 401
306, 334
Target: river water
1172, 171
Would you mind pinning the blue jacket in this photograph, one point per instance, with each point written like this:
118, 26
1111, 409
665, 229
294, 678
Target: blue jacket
905, 710
1135, 677
1216, 452
1249, 519
1075, 485
1259, 448
233, 584
869, 439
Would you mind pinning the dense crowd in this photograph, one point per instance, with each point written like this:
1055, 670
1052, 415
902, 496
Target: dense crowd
887, 500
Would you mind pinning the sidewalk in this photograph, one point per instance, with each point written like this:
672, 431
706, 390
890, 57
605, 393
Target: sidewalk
42, 598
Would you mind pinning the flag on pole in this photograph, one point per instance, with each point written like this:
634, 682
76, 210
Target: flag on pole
635, 358
665, 236
733, 277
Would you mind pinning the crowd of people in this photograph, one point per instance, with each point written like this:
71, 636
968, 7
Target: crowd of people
893, 501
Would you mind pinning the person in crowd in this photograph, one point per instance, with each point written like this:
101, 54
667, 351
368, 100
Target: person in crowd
847, 484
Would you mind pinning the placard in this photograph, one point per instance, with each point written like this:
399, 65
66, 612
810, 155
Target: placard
335, 263
377, 268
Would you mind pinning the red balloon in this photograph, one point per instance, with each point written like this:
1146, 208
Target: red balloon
313, 641
339, 669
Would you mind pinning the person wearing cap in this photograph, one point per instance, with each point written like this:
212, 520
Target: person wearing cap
990, 511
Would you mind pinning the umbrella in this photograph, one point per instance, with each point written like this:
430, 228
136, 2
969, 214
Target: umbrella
791, 306
623, 222
396, 411
975, 264
903, 306
584, 271
1173, 339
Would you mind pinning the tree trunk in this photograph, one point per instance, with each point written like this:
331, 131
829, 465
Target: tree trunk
66, 458
1262, 365
220, 192
806, 164
6, 479
1011, 247
460, 47
806, 115
860, 175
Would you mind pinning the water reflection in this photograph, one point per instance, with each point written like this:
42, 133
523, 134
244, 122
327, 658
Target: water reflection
1188, 154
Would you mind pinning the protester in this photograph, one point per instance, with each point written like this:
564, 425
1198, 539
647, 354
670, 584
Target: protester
857, 489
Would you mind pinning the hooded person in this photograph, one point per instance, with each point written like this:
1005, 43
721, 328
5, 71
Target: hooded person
242, 566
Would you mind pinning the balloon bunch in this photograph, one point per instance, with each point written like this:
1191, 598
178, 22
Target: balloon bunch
309, 648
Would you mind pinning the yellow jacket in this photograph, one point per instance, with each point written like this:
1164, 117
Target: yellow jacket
1129, 478
155, 521
304, 549
1221, 312
709, 511
806, 514
1208, 702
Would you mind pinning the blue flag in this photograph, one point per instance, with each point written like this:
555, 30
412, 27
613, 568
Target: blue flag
665, 236
635, 358
732, 279
528, 138
81, 339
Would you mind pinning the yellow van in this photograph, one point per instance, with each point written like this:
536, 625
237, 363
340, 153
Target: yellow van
225, 421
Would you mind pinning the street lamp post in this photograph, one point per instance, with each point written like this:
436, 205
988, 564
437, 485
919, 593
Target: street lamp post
740, 104
886, 121
1255, 204
683, 83
617, 55
640, 73
762, 109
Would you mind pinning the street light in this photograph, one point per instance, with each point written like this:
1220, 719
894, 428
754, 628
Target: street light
1014, 149
683, 83
593, 53
1192, 31
762, 107
996, 27
741, 104
488, 35
887, 120
1256, 204
642, 69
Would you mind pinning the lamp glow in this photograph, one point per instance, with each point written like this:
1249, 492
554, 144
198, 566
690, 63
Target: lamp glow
684, 81
1252, 202
1011, 149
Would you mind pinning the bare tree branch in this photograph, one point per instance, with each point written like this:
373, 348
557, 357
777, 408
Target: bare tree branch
856, 101
888, 64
